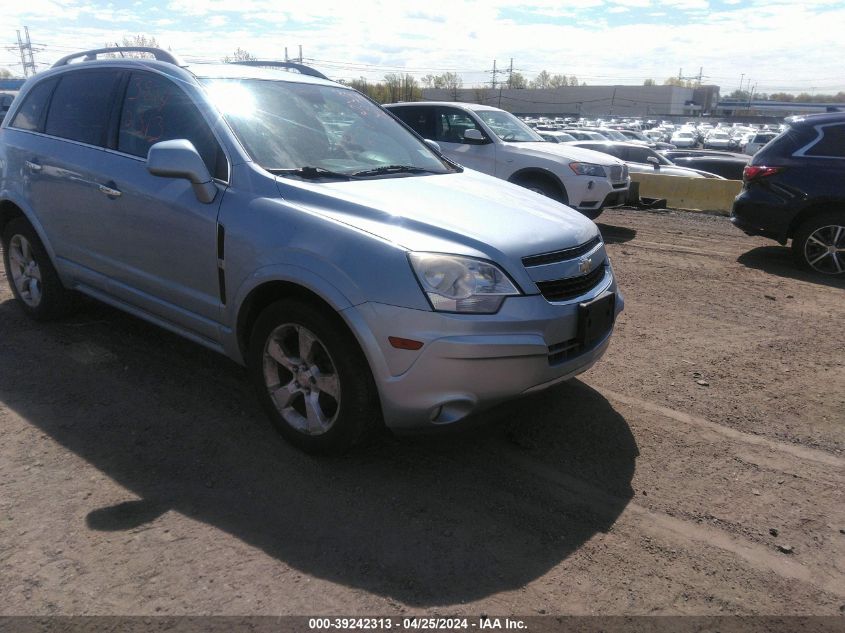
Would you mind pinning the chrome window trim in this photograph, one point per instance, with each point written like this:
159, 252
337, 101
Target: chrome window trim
802, 152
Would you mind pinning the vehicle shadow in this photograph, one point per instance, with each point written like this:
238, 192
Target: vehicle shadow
426, 520
777, 260
616, 234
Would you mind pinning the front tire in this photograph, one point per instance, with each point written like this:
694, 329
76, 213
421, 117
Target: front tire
544, 187
311, 377
32, 277
819, 245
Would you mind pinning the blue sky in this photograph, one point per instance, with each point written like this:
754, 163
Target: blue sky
776, 44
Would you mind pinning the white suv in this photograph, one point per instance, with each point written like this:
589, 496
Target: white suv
497, 143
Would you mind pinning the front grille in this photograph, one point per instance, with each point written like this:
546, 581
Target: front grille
562, 255
616, 173
563, 289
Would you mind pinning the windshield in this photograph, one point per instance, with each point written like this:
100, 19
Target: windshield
507, 127
613, 135
288, 126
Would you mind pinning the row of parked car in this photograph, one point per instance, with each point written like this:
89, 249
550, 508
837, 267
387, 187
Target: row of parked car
405, 265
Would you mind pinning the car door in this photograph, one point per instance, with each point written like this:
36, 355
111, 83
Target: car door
66, 168
449, 127
165, 251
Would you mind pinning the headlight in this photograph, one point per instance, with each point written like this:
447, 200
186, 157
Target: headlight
461, 284
588, 169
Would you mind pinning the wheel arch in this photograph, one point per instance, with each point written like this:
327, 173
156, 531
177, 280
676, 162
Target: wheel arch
813, 210
539, 172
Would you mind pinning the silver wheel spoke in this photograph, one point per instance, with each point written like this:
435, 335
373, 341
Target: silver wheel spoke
25, 250
306, 344
34, 290
327, 383
813, 238
837, 262
316, 419
284, 395
837, 236
16, 257
278, 354
818, 259
36, 273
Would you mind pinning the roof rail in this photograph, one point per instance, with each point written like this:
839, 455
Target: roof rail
89, 56
302, 68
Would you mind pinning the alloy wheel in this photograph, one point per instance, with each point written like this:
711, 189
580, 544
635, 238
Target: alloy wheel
26, 274
302, 379
824, 249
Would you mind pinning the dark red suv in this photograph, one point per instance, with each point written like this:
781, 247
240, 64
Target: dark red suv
794, 189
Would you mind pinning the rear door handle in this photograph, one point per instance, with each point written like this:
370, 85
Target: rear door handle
33, 166
108, 191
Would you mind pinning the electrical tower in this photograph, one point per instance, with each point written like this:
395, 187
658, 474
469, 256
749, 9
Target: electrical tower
25, 47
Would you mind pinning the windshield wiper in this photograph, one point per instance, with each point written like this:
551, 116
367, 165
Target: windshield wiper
310, 173
393, 169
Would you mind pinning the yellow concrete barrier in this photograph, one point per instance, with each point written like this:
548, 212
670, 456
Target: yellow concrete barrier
705, 194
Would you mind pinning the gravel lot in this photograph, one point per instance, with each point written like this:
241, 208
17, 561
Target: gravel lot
697, 469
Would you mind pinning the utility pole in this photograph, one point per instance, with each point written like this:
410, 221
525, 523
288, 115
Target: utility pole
286, 54
741, 79
300, 53
510, 75
27, 60
612, 100
700, 73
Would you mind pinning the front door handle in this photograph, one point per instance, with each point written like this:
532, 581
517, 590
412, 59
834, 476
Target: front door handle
33, 166
108, 191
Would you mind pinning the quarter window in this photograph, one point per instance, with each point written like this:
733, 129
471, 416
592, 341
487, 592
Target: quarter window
832, 142
155, 109
30, 116
81, 106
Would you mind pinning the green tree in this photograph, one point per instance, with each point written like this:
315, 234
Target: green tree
649, 82
5, 73
681, 83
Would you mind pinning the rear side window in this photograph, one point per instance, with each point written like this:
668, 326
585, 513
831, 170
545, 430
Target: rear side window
832, 143
30, 115
155, 109
421, 120
81, 106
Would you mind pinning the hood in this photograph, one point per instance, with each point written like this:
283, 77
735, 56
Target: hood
465, 213
565, 151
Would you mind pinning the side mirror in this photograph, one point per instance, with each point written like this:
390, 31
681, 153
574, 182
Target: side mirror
474, 137
433, 145
654, 161
179, 159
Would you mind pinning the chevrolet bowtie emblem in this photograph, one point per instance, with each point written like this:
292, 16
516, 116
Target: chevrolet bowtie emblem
586, 265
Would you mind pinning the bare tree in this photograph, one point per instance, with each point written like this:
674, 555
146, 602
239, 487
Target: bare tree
240, 55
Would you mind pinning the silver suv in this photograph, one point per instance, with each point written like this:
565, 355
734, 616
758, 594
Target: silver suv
292, 224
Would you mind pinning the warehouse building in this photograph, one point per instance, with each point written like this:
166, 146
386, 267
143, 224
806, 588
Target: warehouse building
589, 101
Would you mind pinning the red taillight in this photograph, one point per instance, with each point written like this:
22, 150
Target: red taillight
753, 172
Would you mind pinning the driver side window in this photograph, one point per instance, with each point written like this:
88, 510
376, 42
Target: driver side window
451, 125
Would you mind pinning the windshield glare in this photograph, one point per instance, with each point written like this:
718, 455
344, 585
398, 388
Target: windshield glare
286, 125
507, 127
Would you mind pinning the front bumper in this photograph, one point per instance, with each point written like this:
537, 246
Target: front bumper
471, 362
594, 194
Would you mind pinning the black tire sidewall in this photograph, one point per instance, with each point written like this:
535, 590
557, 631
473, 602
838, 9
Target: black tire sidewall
359, 404
803, 233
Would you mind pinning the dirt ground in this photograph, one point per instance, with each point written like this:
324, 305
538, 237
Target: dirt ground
697, 469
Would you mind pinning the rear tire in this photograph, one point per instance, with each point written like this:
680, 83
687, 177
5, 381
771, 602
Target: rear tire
32, 277
311, 377
818, 245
